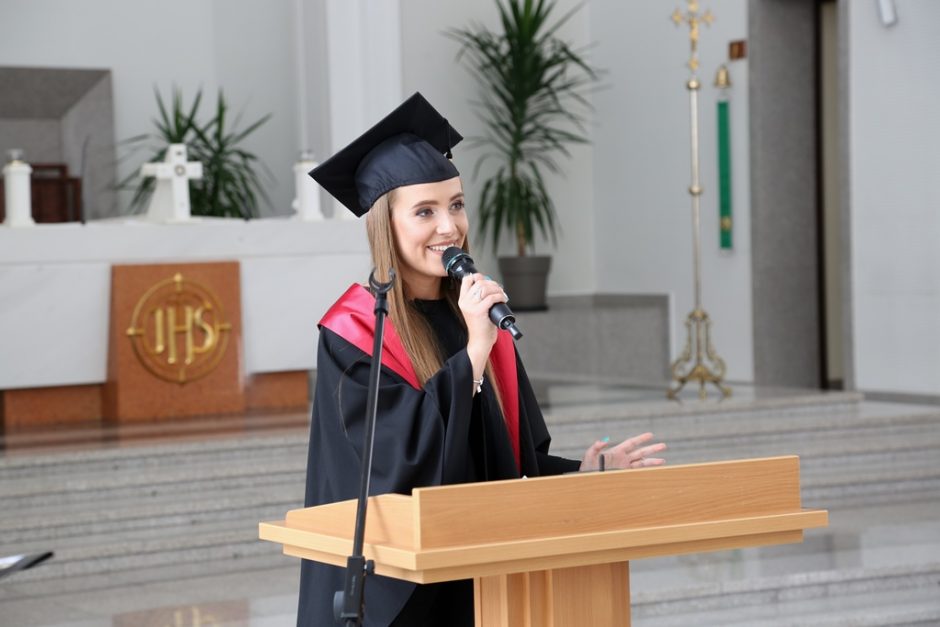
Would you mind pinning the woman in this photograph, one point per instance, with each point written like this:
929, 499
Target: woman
455, 404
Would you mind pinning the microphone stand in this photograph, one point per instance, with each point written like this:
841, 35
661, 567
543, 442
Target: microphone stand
348, 603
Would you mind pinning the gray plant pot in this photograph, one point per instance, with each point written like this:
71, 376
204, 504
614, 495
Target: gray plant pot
525, 280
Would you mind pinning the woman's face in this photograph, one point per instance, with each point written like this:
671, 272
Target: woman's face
426, 219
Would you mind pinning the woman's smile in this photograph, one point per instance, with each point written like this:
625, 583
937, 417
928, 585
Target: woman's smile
427, 219
440, 248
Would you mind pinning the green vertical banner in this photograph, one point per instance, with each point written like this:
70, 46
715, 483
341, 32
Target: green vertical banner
724, 176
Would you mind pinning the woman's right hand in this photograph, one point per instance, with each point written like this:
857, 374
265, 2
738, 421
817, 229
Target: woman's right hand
477, 295
635, 452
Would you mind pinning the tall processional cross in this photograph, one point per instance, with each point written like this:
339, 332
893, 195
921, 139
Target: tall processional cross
693, 19
699, 361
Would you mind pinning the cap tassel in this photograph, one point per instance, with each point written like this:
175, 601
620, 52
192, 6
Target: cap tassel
448, 154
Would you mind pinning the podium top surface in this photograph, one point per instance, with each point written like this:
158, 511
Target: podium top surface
447, 532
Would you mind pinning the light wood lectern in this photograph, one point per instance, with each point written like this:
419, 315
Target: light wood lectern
555, 551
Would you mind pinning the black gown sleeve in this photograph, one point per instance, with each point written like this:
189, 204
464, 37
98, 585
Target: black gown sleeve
420, 436
440, 434
531, 420
420, 440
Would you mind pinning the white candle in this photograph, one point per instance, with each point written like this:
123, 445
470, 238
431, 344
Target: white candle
19, 210
306, 191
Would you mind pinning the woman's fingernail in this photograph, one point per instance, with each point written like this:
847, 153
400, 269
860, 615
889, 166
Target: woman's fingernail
487, 277
606, 439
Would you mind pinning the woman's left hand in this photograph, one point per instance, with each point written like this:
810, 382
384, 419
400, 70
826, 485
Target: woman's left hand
633, 452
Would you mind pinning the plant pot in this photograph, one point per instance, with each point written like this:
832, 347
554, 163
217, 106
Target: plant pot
525, 280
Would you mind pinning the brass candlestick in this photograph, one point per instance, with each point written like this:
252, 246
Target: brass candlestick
693, 363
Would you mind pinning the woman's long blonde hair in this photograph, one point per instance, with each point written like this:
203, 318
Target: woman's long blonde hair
415, 333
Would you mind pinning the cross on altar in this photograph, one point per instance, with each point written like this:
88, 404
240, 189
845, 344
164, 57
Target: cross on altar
170, 200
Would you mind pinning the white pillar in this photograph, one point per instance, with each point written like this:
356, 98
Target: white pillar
19, 209
300, 63
365, 79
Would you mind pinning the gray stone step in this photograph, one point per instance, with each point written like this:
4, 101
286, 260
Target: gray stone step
592, 422
855, 477
870, 597
258, 565
193, 477
154, 511
167, 529
139, 457
118, 460
824, 598
832, 448
857, 471
580, 402
898, 608
194, 489
268, 504
686, 432
134, 554
874, 457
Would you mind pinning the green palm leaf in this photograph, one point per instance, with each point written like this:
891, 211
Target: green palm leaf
231, 185
533, 102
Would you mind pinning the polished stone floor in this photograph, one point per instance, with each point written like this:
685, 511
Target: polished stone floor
267, 598
878, 563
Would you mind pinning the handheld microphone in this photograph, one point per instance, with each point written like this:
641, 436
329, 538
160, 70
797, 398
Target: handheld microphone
459, 264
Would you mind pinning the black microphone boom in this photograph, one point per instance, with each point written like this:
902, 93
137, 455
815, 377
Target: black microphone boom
459, 264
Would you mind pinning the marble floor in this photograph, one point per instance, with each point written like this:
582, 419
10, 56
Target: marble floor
882, 538
878, 562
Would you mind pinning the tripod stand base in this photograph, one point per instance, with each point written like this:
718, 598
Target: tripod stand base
704, 376
689, 367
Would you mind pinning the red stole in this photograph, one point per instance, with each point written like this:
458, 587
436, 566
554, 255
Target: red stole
352, 318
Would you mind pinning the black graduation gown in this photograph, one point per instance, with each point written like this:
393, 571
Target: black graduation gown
441, 434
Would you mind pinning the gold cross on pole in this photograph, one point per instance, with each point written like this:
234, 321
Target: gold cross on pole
693, 19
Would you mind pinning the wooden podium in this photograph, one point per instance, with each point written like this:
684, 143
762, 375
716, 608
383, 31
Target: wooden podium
555, 551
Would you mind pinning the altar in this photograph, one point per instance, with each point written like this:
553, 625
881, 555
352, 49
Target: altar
55, 291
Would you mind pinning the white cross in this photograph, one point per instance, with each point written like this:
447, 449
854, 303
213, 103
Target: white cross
170, 200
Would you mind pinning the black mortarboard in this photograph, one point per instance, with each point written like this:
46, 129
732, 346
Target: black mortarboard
405, 148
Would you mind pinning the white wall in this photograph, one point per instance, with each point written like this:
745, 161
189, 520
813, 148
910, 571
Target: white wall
363, 49
623, 204
243, 46
642, 168
895, 213
254, 59
429, 66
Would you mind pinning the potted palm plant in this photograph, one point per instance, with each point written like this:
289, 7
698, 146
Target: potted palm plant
532, 103
231, 183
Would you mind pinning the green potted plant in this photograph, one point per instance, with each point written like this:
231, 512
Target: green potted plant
230, 185
532, 102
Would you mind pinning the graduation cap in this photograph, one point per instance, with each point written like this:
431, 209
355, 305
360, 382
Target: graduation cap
407, 147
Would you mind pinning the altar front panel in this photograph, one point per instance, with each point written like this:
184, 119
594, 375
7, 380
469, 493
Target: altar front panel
55, 289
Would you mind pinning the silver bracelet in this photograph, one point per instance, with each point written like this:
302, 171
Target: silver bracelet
478, 385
